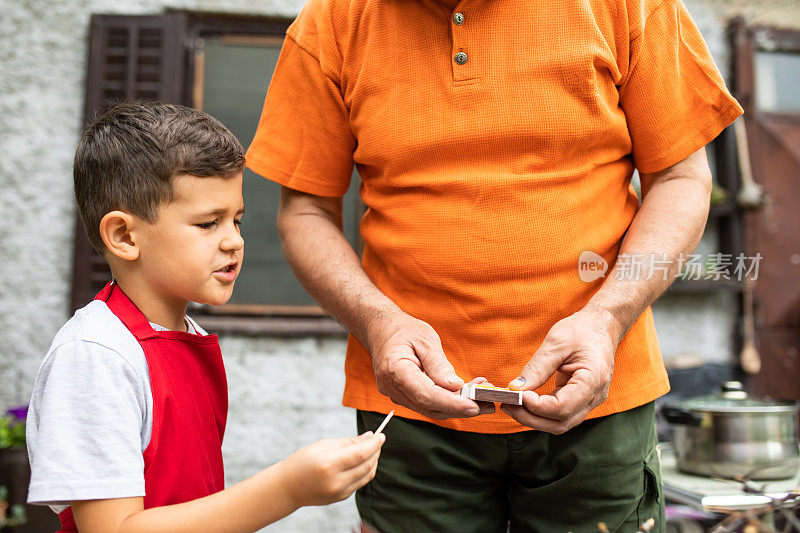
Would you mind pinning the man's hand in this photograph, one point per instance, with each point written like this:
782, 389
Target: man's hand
580, 350
413, 371
581, 347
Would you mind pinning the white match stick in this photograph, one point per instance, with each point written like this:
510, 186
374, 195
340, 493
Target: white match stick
383, 424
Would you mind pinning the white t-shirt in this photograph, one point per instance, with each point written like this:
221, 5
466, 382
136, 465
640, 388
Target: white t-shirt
91, 412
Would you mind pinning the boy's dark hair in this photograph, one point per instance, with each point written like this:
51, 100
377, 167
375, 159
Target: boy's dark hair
125, 160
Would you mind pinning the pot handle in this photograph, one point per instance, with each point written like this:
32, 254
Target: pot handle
681, 416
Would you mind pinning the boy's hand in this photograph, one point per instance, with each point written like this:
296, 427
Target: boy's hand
331, 469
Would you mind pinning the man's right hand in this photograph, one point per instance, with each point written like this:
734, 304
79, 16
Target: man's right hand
410, 366
412, 370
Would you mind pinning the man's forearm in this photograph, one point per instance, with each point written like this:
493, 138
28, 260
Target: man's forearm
326, 265
410, 365
669, 223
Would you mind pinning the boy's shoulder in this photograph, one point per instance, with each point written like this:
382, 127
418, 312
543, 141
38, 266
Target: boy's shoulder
95, 324
91, 412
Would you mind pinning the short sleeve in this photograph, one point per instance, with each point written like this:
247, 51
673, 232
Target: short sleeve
84, 428
673, 96
303, 140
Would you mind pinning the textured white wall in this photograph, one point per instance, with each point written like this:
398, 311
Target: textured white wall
285, 394
42, 76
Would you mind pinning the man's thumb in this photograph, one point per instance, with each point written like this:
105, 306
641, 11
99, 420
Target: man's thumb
536, 371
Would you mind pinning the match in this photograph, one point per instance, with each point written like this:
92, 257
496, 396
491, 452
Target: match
383, 424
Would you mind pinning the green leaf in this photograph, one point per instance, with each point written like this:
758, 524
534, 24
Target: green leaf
12, 432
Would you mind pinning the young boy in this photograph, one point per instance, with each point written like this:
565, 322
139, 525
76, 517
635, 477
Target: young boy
129, 406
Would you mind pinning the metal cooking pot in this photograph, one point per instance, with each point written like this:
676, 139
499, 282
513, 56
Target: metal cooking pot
731, 435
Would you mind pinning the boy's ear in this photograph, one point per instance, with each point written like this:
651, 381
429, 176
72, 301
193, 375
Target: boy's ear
118, 231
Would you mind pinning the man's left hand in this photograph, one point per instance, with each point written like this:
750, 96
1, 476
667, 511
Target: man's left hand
580, 350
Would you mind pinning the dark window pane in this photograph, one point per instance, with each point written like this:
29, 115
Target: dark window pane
235, 78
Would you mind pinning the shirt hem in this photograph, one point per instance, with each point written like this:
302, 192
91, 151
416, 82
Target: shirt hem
693, 143
58, 494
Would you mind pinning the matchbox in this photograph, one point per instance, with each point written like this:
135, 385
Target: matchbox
487, 393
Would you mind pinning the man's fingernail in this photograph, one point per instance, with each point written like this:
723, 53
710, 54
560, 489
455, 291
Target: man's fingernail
474, 412
452, 378
517, 383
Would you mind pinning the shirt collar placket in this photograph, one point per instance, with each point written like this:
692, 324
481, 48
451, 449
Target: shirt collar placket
464, 53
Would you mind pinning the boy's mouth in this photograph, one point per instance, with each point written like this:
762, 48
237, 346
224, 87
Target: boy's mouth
230, 267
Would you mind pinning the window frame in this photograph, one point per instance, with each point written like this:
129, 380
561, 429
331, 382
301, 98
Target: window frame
278, 320
747, 40
185, 31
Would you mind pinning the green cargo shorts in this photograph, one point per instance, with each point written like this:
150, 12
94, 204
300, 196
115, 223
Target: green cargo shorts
433, 479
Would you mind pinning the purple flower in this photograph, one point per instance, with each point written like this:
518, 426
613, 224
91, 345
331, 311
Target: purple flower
20, 412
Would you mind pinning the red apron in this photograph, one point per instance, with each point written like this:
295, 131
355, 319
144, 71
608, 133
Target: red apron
183, 461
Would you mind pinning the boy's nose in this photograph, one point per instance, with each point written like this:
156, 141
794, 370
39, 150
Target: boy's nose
232, 241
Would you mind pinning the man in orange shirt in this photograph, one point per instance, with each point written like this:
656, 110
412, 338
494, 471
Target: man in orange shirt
496, 143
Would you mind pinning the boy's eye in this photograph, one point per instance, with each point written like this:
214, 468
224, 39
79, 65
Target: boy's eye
207, 225
238, 221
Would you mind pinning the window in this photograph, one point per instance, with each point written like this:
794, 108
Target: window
230, 84
220, 64
776, 75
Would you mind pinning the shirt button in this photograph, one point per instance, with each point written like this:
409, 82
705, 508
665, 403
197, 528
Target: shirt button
461, 58
458, 18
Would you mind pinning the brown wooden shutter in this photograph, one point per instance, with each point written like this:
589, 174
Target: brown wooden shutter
142, 57
774, 142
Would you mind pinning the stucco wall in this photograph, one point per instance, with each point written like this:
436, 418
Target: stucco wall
283, 393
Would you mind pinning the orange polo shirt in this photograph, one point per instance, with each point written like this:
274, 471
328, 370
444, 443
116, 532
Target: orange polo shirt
493, 147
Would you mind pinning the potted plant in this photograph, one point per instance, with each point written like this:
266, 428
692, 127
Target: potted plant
12, 428
15, 475
12, 517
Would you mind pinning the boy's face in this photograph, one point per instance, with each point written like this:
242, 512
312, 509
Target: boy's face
194, 250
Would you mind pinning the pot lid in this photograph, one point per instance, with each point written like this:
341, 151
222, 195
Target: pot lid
733, 399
